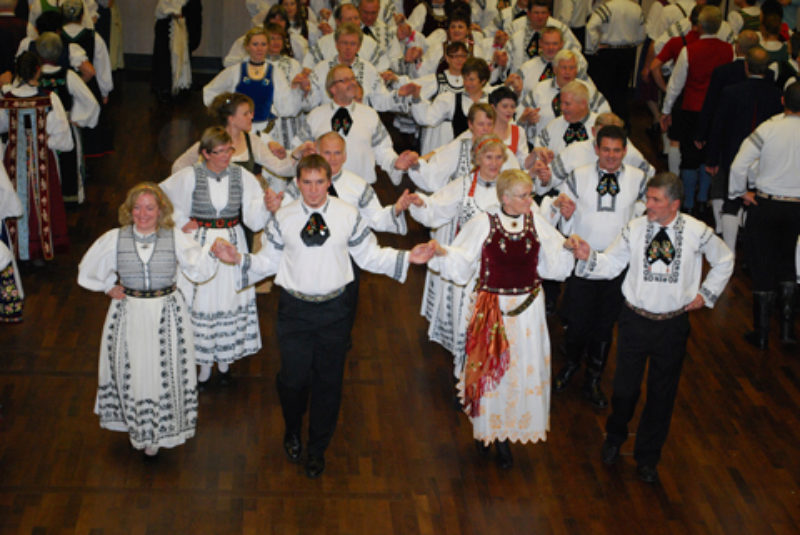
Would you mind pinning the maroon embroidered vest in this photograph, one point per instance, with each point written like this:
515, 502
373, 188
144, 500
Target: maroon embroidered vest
509, 260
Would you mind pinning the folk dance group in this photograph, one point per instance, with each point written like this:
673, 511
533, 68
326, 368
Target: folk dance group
294, 152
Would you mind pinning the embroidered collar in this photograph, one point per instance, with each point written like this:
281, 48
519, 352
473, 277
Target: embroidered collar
485, 183
217, 176
142, 238
617, 173
308, 210
257, 63
350, 107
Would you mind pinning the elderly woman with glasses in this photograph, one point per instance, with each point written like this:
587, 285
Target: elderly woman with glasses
504, 381
213, 199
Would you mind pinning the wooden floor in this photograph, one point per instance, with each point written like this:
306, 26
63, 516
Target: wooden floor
402, 460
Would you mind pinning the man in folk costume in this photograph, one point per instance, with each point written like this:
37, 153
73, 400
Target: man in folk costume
613, 32
314, 309
574, 123
663, 252
525, 41
543, 104
360, 126
596, 202
348, 42
773, 220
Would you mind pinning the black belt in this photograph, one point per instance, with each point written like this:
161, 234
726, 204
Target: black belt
150, 293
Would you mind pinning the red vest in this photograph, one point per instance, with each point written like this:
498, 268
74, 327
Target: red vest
704, 56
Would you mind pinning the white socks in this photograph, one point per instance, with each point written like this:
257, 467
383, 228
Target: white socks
673, 158
716, 208
730, 229
205, 373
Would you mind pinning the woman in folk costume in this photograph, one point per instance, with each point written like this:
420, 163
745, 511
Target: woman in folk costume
82, 110
504, 383
177, 33
37, 125
11, 293
446, 211
504, 101
446, 79
258, 79
234, 112
281, 132
146, 376
213, 199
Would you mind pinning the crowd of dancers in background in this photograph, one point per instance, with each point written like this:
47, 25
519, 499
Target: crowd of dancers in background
510, 123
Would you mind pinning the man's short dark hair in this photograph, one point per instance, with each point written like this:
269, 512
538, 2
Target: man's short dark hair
612, 131
313, 162
541, 3
670, 183
791, 97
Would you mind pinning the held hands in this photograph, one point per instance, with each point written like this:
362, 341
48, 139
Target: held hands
544, 154
500, 58
191, 226
500, 39
529, 116
403, 31
116, 292
225, 251
272, 200
304, 149
302, 81
565, 205
277, 149
580, 248
408, 158
406, 200
409, 89
666, 122
422, 252
413, 54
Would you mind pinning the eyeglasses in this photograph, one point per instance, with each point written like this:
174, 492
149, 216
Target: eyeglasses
228, 150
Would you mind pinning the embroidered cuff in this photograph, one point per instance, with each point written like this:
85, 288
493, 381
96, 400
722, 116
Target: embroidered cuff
584, 267
399, 222
246, 260
709, 296
401, 266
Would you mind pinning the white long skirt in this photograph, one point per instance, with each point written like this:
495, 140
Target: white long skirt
518, 409
147, 385
225, 321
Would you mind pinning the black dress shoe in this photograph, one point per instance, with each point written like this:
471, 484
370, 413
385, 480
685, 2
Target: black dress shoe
563, 377
292, 446
610, 453
504, 458
483, 449
225, 379
315, 465
647, 473
594, 395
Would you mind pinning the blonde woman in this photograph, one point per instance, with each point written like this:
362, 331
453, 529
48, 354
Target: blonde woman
146, 378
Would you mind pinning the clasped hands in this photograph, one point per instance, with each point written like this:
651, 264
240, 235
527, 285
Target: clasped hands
225, 251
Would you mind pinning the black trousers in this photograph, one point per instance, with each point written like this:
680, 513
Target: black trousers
612, 69
772, 228
593, 308
664, 344
312, 338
